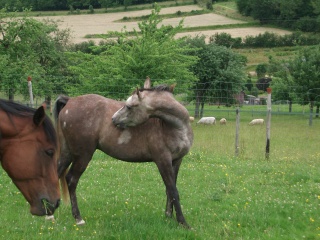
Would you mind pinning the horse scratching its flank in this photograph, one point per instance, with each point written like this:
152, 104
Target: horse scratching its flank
89, 122
29, 154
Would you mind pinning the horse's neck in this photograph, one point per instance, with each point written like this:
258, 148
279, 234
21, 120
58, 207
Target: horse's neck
172, 113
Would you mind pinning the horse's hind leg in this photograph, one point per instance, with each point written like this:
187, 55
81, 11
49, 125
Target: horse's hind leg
78, 166
168, 173
169, 207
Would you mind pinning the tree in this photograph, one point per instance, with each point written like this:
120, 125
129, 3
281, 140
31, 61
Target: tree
283, 86
295, 14
153, 51
220, 71
261, 70
305, 70
30, 48
298, 79
263, 83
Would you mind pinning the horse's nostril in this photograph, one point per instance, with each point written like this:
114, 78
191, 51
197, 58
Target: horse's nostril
58, 203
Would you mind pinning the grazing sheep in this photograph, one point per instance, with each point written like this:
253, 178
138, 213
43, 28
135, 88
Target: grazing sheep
191, 119
259, 121
223, 121
207, 120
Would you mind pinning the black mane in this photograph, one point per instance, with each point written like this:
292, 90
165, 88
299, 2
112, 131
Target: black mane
158, 88
19, 110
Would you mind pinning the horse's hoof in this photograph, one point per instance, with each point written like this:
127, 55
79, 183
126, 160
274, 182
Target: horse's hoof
81, 222
50, 218
186, 226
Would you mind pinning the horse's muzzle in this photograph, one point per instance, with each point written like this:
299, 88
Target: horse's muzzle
118, 124
50, 207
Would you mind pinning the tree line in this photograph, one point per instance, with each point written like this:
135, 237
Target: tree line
56, 5
303, 15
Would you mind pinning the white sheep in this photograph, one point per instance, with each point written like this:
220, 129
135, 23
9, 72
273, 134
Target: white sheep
259, 121
223, 121
207, 120
191, 119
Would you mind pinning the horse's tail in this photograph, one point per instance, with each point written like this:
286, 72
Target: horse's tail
64, 187
58, 106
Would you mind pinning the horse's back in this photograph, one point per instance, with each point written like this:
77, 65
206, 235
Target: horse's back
83, 118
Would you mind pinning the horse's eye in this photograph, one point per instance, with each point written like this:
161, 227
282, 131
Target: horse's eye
50, 152
128, 107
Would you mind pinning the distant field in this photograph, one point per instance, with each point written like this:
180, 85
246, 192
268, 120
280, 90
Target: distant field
89, 24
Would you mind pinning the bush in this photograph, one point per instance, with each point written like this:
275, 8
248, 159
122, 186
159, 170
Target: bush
91, 10
225, 39
209, 5
267, 40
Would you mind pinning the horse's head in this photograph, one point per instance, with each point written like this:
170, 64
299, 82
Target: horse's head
134, 112
142, 105
28, 153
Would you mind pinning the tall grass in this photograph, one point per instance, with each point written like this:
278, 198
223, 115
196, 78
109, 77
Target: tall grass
223, 197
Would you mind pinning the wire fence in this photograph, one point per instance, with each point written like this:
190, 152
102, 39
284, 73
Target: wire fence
210, 99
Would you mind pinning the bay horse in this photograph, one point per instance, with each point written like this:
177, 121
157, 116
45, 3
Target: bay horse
29, 155
150, 126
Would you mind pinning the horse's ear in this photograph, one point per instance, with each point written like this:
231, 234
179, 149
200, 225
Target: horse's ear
147, 83
171, 88
138, 93
39, 116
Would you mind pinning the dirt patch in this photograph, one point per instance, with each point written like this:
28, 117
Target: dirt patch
82, 25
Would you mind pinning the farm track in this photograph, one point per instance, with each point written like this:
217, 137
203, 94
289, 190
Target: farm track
82, 25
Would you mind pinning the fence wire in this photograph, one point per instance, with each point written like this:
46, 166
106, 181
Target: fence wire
220, 98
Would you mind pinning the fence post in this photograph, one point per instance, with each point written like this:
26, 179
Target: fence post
268, 122
311, 113
237, 131
30, 90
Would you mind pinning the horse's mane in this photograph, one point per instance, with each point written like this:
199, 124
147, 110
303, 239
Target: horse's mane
158, 88
19, 110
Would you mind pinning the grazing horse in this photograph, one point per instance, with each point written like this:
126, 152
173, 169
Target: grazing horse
29, 154
150, 126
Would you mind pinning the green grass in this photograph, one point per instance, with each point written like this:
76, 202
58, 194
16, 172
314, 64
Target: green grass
257, 56
229, 9
223, 197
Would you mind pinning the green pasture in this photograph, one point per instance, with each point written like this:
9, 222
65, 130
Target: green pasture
222, 196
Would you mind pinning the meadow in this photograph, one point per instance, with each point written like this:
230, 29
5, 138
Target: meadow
222, 196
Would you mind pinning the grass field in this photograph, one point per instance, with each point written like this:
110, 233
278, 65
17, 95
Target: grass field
223, 197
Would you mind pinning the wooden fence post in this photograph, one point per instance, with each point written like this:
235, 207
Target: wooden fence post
268, 122
237, 131
30, 90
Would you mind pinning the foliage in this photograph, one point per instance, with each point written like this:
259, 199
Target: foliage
153, 52
261, 70
301, 72
45, 5
267, 39
218, 68
263, 83
225, 39
30, 48
295, 14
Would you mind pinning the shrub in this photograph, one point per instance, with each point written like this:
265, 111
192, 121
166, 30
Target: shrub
91, 10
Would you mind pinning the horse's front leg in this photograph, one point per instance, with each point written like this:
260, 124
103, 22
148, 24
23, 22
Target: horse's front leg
73, 176
169, 207
167, 173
